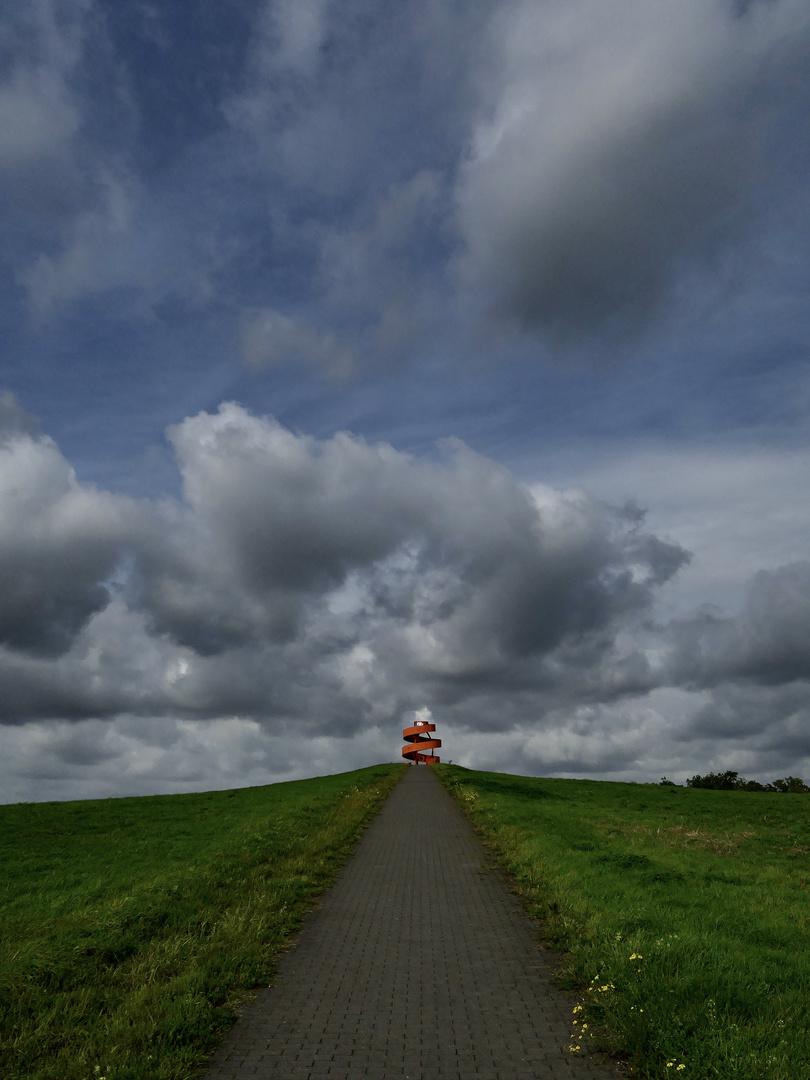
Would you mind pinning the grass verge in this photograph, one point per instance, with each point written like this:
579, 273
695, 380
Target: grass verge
682, 915
131, 929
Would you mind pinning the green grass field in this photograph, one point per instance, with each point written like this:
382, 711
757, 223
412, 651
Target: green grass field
130, 929
683, 915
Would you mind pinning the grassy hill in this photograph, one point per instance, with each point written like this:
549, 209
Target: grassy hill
683, 913
130, 929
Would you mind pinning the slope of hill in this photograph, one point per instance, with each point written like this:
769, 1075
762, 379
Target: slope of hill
130, 929
683, 914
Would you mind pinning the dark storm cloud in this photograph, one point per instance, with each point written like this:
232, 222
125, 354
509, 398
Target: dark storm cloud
762, 730
311, 580
774, 717
756, 666
281, 524
59, 541
622, 145
768, 643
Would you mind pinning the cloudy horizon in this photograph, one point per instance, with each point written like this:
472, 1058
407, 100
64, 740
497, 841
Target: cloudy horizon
364, 361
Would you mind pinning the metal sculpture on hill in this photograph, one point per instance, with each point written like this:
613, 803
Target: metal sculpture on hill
421, 741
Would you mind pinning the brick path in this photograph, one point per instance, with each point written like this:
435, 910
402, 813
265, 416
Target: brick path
419, 964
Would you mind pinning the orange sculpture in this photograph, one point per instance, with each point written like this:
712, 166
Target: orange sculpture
421, 742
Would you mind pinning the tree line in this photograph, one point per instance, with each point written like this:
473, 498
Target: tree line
732, 781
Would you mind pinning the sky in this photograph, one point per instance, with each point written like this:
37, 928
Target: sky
365, 358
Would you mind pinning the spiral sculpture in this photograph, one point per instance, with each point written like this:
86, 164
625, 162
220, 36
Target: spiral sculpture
421, 741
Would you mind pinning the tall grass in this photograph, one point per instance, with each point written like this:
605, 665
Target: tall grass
131, 929
683, 916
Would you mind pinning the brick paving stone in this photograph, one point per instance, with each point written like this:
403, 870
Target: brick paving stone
418, 965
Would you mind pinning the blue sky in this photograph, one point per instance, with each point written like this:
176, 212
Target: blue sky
543, 264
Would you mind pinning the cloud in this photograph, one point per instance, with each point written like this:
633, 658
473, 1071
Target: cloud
95, 219
59, 541
355, 119
754, 671
14, 420
270, 339
340, 187
98, 254
768, 643
311, 592
737, 506
350, 186
618, 144
38, 113
300, 29
455, 558
37, 117
764, 719
73, 196
312, 580
134, 756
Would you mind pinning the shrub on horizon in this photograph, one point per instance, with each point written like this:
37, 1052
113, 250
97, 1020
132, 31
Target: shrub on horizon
732, 781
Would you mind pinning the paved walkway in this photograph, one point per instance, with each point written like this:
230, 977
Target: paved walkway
419, 964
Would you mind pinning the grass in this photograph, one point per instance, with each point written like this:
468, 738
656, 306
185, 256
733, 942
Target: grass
131, 929
682, 915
